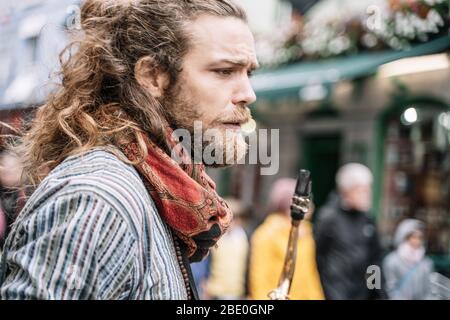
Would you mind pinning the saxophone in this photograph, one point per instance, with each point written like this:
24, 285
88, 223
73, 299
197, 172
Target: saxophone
300, 206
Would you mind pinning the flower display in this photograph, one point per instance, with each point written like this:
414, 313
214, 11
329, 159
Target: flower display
341, 27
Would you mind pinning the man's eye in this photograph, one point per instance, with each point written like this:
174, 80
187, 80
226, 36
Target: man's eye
250, 73
224, 72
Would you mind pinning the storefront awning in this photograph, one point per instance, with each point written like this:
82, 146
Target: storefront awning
289, 80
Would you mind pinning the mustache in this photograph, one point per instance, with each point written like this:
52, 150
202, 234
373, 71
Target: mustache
239, 115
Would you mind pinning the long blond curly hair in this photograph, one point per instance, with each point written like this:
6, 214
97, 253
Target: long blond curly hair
99, 102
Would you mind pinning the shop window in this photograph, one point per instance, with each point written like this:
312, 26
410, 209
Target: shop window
416, 172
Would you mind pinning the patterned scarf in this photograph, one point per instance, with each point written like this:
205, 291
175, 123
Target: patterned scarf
183, 193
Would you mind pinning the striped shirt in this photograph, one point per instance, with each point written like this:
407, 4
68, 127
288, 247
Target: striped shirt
91, 231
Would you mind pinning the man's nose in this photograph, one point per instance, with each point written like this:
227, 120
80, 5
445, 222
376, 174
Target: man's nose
244, 94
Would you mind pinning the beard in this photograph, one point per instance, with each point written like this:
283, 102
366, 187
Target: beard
222, 147
218, 146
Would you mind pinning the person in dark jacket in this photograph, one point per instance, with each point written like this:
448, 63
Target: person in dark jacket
11, 195
346, 237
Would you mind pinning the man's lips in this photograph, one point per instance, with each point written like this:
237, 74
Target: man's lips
234, 123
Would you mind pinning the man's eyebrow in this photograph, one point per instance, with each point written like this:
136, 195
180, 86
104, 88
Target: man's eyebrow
240, 62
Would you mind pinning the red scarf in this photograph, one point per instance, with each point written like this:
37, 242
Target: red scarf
183, 193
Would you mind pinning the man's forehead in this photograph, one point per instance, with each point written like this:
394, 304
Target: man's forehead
240, 56
228, 40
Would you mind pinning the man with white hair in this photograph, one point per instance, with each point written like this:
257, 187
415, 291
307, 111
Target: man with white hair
346, 237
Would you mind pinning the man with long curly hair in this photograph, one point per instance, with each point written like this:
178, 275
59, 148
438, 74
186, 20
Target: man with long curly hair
114, 215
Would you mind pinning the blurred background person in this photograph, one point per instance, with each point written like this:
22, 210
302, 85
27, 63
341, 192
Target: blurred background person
407, 270
268, 250
346, 237
228, 268
200, 272
3, 224
12, 197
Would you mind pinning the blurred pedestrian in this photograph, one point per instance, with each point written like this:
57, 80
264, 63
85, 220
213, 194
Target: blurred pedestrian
200, 272
3, 225
407, 270
346, 237
12, 196
268, 250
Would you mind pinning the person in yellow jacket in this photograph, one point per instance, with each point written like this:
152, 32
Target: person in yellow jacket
268, 249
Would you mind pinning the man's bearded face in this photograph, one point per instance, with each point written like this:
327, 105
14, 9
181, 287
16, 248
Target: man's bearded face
223, 134
213, 86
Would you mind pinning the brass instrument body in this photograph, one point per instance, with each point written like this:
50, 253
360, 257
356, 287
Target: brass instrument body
299, 208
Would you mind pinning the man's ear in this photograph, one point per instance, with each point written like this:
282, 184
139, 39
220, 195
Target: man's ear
150, 76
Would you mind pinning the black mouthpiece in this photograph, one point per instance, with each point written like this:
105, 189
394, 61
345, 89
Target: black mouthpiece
303, 187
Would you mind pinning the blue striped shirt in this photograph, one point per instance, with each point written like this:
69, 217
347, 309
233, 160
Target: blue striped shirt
91, 231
